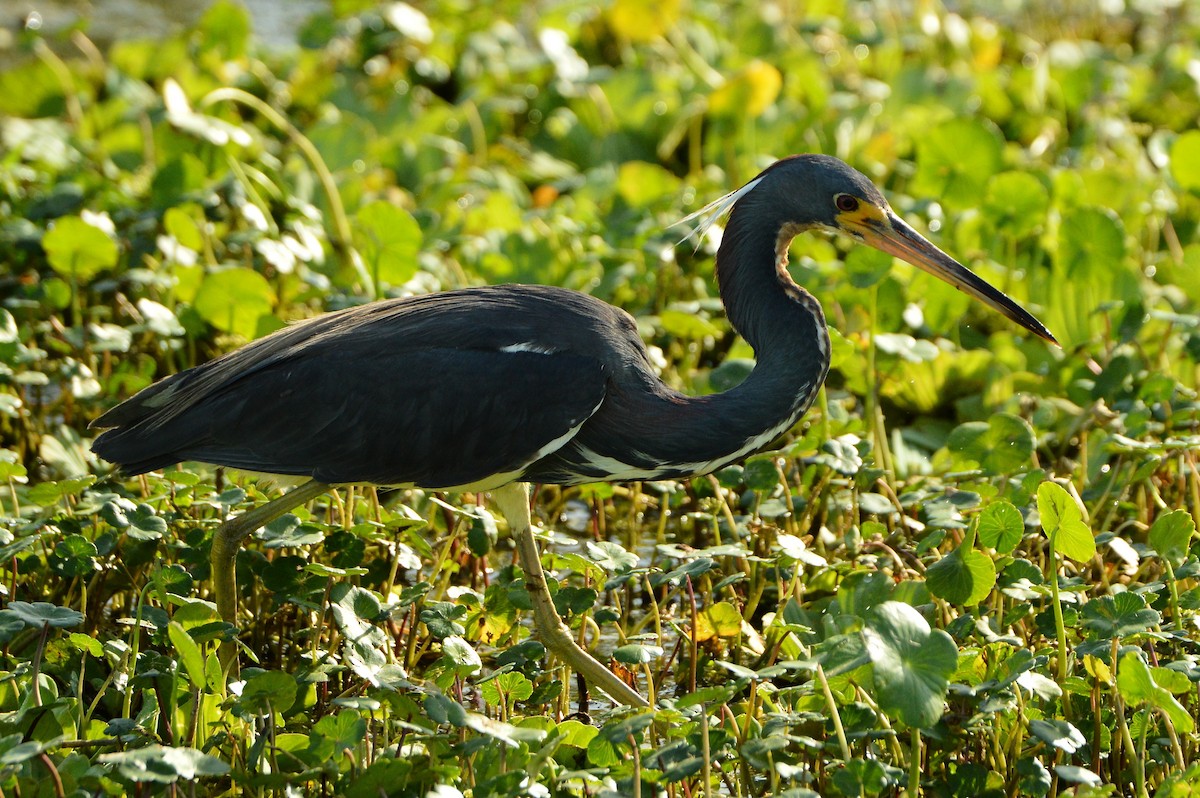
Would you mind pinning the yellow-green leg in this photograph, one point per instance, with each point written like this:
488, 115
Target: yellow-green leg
228, 540
513, 502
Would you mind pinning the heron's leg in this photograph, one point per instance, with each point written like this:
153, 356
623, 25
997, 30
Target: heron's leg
228, 540
513, 503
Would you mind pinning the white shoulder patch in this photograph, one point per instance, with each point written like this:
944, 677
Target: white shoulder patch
529, 347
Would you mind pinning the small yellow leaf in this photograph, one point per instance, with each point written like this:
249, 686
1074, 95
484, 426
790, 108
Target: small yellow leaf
643, 20
1098, 669
719, 620
749, 93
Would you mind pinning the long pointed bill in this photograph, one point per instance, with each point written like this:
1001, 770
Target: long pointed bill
896, 238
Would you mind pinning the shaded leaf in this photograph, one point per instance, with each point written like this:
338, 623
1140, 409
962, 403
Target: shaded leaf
912, 663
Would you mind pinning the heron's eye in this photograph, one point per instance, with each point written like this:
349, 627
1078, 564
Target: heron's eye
846, 203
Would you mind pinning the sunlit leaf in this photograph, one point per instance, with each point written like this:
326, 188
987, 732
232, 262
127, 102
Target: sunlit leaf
189, 653
389, 240
642, 20
1137, 686
1063, 521
1001, 526
718, 620
79, 250
955, 160
1017, 202
1003, 444
749, 93
1185, 161
1058, 733
1171, 535
234, 300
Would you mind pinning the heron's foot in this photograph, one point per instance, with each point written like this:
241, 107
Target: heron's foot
557, 639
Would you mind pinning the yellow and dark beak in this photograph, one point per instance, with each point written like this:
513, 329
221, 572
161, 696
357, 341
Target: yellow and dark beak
885, 231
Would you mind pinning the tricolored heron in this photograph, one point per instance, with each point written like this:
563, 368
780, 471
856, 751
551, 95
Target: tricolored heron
491, 388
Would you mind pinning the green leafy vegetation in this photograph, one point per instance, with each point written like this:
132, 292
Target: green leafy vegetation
971, 570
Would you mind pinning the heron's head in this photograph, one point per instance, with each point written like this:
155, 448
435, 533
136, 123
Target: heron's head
824, 192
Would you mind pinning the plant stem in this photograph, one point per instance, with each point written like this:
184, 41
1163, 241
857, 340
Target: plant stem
1060, 628
914, 764
833, 714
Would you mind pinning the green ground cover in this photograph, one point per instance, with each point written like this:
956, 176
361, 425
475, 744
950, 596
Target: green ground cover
970, 570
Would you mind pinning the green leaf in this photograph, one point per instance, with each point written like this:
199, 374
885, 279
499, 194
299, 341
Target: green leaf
334, 734
158, 763
861, 777
1137, 686
264, 693
1058, 734
577, 734
1078, 775
225, 27
442, 618
1171, 535
748, 94
1063, 521
172, 579
76, 248
1185, 161
235, 300
287, 532
189, 653
866, 266
74, 556
86, 643
642, 20
964, 576
355, 609
389, 240
955, 160
39, 613
637, 653
1003, 444
912, 663
687, 325
1001, 526
1119, 615
642, 184
506, 688
145, 524
459, 652
442, 709
612, 557
1016, 202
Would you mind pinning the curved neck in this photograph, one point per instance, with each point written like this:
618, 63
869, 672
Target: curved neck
645, 430
780, 320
